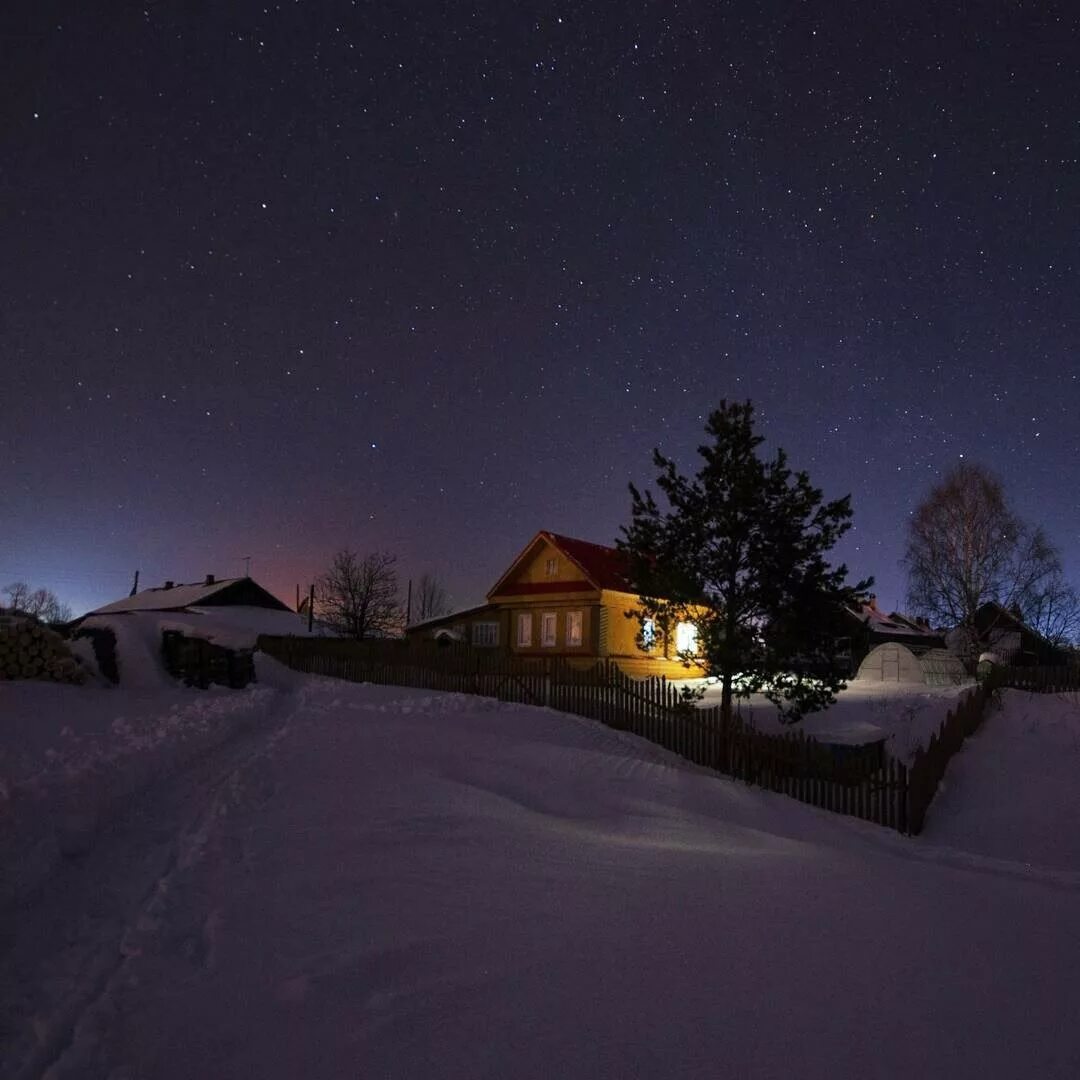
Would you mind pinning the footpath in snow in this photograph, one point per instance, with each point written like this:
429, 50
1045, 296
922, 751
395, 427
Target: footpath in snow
371, 881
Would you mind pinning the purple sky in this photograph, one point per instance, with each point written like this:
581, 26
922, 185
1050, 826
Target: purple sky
277, 279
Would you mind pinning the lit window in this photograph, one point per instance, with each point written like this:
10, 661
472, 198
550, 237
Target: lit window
524, 634
574, 620
548, 624
551, 568
485, 633
648, 634
686, 638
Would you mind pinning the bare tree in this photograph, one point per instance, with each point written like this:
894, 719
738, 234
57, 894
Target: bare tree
358, 596
431, 598
41, 604
1054, 611
967, 548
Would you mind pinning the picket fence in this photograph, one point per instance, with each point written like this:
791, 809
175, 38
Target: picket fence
858, 781
1039, 680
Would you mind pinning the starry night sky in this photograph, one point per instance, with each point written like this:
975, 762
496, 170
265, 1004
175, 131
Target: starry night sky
276, 279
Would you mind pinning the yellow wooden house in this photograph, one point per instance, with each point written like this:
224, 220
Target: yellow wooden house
567, 598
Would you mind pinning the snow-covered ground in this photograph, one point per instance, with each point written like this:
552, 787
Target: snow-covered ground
350, 880
904, 715
1014, 793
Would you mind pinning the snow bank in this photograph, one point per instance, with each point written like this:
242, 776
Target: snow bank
1013, 792
412, 884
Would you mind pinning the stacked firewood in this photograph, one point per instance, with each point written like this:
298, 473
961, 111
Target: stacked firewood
29, 650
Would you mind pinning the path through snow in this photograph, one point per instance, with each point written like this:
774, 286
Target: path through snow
399, 884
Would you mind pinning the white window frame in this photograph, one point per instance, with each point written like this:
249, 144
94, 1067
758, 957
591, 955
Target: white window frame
551, 567
648, 634
575, 629
485, 634
549, 629
524, 629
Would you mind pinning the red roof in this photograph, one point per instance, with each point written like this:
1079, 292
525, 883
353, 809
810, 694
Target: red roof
602, 567
608, 567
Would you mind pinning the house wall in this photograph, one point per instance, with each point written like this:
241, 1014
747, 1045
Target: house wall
590, 638
619, 641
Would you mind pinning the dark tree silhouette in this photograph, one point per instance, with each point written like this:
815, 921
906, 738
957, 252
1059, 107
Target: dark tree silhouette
430, 598
741, 553
967, 548
358, 596
41, 604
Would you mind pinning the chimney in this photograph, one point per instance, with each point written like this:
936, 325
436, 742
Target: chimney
209, 579
168, 584
872, 602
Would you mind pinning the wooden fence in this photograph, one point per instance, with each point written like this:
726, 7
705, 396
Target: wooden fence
1039, 680
928, 768
859, 781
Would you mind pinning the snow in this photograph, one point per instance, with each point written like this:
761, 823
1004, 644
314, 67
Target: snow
179, 596
904, 715
1013, 793
349, 880
138, 633
259, 620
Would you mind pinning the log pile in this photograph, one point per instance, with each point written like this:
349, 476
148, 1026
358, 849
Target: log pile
29, 650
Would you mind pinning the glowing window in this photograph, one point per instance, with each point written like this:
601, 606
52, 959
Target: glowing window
686, 638
548, 627
524, 625
574, 621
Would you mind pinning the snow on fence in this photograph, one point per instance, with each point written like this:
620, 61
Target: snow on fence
858, 781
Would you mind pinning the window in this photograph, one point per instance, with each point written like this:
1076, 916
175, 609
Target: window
524, 634
551, 568
648, 634
574, 620
485, 633
686, 638
548, 627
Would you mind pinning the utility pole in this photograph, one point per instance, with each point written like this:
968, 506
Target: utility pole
298, 596
408, 605
310, 608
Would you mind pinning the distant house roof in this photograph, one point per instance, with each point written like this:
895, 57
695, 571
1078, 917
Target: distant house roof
994, 622
170, 597
440, 620
892, 625
602, 567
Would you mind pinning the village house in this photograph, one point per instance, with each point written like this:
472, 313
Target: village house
1004, 634
567, 598
240, 602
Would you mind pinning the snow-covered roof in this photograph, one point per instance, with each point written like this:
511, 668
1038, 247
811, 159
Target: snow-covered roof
165, 599
895, 625
171, 597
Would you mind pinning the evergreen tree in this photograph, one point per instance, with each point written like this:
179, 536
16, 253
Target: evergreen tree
741, 553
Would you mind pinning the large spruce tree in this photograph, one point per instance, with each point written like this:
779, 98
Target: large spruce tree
740, 551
